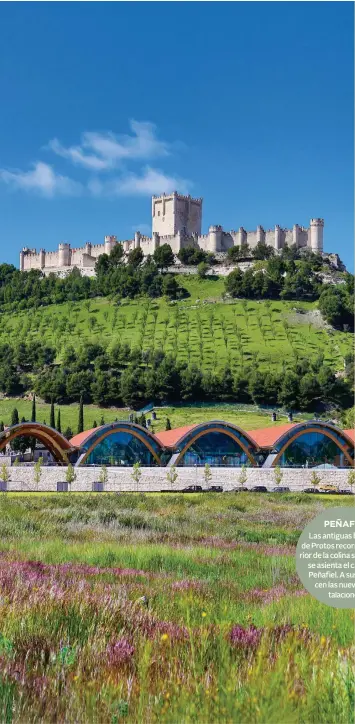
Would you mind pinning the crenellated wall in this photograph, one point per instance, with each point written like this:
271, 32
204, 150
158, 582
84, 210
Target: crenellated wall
176, 220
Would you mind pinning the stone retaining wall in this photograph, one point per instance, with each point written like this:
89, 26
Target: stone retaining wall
154, 479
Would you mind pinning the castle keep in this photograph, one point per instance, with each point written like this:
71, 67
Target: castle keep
176, 220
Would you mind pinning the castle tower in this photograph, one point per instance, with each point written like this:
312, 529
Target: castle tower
110, 243
42, 258
174, 213
278, 237
215, 238
64, 255
22, 260
316, 233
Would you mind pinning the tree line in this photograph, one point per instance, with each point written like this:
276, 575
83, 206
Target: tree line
123, 377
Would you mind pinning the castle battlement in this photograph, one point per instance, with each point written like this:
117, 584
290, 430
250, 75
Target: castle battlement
177, 221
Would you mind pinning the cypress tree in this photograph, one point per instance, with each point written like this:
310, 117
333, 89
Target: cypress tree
94, 423
68, 433
14, 417
52, 417
33, 416
81, 416
2, 428
168, 424
59, 427
102, 421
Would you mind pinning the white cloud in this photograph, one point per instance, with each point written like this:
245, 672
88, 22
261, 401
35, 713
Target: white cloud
105, 151
151, 182
42, 179
143, 228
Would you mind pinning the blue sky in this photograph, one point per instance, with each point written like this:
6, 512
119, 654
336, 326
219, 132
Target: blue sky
249, 105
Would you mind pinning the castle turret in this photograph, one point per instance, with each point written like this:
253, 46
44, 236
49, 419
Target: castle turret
64, 254
110, 243
278, 237
137, 240
242, 236
88, 248
260, 235
295, 235
42, 258
156, 240
22, 260
316, 233
215, 238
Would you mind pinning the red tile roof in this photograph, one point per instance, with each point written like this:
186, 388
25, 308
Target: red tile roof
78, 439
350, 433
267, 436
169, 438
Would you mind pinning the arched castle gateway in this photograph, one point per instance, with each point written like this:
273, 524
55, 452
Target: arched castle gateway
176, 220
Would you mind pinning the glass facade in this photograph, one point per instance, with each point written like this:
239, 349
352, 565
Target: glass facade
311, 450
216, 449
121, 449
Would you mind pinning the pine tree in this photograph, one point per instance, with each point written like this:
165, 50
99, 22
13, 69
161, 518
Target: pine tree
94, 423
14, 417
33, 415
102, 421
52, 416
168, 424
68, 433
81, 416
59, 426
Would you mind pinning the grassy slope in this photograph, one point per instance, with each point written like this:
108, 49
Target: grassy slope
210, 334
207, 563
202, 329
178, 416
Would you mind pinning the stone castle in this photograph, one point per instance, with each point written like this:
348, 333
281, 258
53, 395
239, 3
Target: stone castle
176, 220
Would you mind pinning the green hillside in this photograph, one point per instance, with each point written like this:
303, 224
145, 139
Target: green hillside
204, 329
249, 418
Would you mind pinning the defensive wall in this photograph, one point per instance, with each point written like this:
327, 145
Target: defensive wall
177, 221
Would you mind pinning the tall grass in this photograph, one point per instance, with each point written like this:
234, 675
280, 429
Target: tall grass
181, 620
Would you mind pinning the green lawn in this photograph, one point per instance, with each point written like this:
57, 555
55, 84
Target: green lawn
166, 608
202, 329
250, 419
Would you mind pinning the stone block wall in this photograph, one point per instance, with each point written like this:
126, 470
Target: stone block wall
154, 479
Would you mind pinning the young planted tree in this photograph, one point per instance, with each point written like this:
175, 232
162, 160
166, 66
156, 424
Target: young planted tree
136, 473
172, 475
242, 477
4, 473
351, 479
167, 424
207, 474
70, 475
103, 477
37, 471
278, 475
315, 479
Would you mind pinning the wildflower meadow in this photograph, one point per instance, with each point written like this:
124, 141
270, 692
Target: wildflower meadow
166, 608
